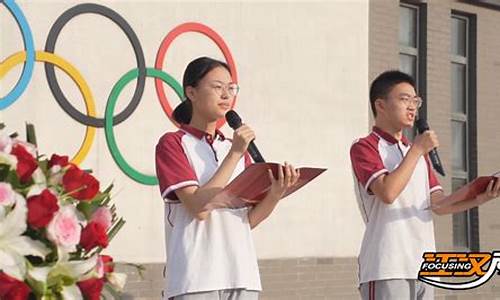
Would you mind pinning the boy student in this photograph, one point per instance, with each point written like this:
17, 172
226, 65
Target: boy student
398, 192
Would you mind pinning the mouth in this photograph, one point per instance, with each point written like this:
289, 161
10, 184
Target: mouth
225, 106
411, 116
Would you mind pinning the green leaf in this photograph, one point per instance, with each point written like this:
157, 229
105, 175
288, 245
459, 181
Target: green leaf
30, 134
44, 165
4, 172
87, 208
2, 126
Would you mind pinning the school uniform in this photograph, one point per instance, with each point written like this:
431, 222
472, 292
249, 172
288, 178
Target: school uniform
213, 255
397, 234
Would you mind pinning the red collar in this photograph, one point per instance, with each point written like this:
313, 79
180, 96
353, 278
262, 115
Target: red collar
389, 138
199, 134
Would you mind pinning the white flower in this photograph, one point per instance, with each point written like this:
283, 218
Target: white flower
71, 292
117, 280
56, 175
9, 160
14, 246
75, 269
40, 183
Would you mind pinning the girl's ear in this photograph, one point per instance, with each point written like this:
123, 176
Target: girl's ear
191, 93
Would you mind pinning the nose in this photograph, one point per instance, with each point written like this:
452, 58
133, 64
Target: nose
225, 93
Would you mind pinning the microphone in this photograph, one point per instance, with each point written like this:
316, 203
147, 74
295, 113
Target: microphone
234, 122
422, 127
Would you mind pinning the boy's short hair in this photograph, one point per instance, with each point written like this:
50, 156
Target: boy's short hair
383, 84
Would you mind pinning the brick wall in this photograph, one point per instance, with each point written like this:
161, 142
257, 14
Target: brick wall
297, 279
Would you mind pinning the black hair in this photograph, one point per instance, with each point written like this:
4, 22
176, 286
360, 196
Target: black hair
194, 73
384, 83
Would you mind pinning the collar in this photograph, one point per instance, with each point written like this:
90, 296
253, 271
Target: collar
199, 134
389, 138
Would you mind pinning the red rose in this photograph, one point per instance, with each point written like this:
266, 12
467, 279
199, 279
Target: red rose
26, 163
94, 234
80, 184
41, 209
56, 160
91, 288
13, 289
108, 263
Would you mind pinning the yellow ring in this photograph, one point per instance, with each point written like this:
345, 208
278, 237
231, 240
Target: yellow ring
20, 57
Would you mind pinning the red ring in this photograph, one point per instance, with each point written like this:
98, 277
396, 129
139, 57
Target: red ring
160, 57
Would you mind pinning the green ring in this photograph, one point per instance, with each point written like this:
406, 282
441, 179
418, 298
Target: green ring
108, 120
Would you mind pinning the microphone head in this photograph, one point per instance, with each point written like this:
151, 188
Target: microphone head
422, 125
233, 120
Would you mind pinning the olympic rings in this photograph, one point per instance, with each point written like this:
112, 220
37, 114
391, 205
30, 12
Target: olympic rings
29, 47
165, 44
29, 56
139, 55
108, 128
75, 75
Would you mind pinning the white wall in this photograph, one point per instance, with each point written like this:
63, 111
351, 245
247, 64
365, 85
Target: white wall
303, 71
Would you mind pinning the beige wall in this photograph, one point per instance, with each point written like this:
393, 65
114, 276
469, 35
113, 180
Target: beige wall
303, 70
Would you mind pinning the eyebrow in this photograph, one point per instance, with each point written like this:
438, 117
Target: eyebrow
219, 81
406, 94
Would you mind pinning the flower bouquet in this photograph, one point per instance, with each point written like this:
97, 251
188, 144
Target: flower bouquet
54, 223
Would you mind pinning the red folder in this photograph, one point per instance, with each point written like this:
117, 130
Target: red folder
474, 188
252, 185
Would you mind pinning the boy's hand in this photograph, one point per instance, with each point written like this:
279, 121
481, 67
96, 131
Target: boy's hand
426, 141
492, 191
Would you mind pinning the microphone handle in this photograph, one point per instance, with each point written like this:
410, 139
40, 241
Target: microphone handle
254, 153
436, 162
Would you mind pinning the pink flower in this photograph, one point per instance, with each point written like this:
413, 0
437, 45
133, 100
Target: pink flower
104, 265
64, 229
5, 143
6, 194
102, 216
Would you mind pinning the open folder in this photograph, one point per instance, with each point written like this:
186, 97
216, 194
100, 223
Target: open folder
252, 185
470, 190
474, 188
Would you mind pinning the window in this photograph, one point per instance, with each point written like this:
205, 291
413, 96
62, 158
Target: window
463, 124
412, 50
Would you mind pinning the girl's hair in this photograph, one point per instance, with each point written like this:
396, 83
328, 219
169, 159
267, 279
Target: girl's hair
194, 73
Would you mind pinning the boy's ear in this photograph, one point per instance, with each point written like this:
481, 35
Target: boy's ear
379, 105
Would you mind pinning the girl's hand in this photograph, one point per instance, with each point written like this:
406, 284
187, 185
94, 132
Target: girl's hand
286, 179
241, 138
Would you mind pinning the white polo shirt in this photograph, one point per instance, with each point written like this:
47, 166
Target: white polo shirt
397, 234
214, 254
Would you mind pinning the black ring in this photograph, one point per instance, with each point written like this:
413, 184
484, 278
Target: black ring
136, 45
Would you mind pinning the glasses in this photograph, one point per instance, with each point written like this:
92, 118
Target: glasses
230, 89
414, 101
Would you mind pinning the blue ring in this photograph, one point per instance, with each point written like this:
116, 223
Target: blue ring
29, 46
